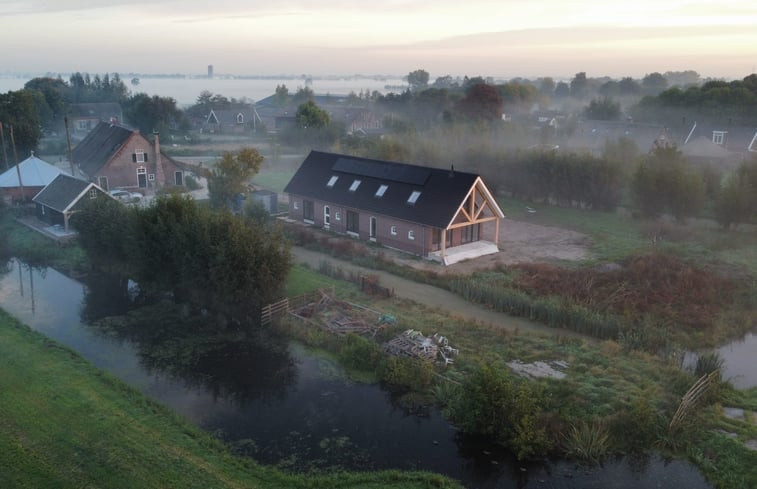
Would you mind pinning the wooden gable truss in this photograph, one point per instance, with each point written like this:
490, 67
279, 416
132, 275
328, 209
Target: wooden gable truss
477, 207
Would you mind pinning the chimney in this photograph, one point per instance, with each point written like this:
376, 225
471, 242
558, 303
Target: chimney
160, 177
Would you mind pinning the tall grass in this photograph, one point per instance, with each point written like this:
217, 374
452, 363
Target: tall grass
548, 310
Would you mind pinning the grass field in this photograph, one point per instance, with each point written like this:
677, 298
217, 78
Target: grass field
66, 424
273, 180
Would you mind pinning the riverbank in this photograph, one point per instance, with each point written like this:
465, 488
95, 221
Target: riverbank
67, 424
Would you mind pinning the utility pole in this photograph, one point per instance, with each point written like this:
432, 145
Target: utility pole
5, 153
68, 140
18, 168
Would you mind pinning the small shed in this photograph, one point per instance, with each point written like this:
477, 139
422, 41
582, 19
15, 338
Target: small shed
268, 199
64, 196
35, 175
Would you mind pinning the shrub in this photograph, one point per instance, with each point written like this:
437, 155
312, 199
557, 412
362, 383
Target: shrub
587, 442
408, 373
359, 353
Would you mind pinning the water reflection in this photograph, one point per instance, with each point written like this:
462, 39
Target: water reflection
278, 402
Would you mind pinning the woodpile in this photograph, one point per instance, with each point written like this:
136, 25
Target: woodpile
413, 344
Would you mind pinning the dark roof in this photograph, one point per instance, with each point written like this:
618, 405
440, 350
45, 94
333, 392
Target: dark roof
61, 192
442, 191
99, 146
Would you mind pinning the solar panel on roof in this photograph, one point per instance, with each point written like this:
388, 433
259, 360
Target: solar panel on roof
413, 175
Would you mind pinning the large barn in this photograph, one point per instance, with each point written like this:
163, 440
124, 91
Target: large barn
443, 215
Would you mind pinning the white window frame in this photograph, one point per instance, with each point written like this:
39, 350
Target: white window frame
326, 216
393, 230
718, 137
295, 205
140, 155
151, 177
240, 118
381, 190
355, 185
414, 196
411, 234
92, 193
337, 215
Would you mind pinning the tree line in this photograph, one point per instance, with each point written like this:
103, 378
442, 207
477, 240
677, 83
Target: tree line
209, 259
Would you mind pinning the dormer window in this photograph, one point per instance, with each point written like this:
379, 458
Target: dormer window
355, 185
381, 190
332, 181
718, 137
413, 197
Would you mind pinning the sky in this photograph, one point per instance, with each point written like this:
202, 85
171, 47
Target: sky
498, 38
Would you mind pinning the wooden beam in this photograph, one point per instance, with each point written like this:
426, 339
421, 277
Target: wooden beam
444, 244
477, 221
496, 232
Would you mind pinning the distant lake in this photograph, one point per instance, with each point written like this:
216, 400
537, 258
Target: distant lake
186, 90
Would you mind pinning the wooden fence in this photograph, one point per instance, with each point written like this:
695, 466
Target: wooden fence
277, 309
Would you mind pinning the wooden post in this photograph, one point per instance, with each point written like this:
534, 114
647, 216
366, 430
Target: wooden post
18, 168
5, 153
496, 231
68, 141
444, 244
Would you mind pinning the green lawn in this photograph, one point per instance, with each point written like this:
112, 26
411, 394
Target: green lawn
273, 180
66, 424
302, 280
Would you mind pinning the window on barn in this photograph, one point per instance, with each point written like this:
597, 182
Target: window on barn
332, 181
353, 222
381, 190
354, 185
139, 156
393, 230
413, 197
92, 193
411, 234
718, 137
240, 118
326, 215
338, 216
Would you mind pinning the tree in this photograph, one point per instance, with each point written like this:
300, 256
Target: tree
418, 80
562, 90
482, 102
579, 85
21, 109
54, 90
653, 83
737, 202
547, 86
281, 95
603, 109
310, 116
629, 86
231, 176
154, 113
302, 95
664, 182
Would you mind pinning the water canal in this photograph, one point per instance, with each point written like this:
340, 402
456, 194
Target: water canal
283, 405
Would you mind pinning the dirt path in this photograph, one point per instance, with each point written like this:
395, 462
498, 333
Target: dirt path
434, 297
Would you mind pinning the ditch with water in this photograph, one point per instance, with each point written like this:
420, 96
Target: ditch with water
283, 405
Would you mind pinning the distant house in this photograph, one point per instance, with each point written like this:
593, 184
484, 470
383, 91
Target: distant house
444, 215
592, 135
349, 111
35, 175
114, 156
85, 117
63, 197
231, 121
722, 145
